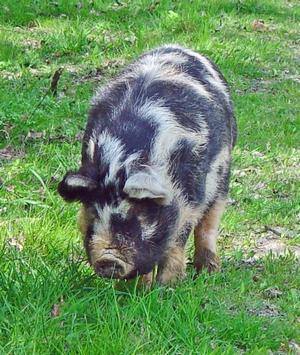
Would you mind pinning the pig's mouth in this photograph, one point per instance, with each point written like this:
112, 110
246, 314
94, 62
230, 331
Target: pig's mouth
111, 266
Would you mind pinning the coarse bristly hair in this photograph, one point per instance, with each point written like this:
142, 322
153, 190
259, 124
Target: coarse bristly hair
156, 153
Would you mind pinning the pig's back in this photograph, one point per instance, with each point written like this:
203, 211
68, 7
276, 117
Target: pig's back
172, 108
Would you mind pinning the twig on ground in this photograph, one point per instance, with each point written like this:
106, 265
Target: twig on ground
54, 81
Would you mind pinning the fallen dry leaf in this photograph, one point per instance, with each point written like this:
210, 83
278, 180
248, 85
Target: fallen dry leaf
273, 292
74, 68
131, 38
260, 185
34, 135
24, 117
153, 6
95, 13
245, 172
115, 63
55, 311
10, 188
17, 242
38, 71
257, 154
32, 43
54, 81
6, 74
80, 5
110, 37
259, 26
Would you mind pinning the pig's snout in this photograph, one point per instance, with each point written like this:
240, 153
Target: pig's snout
110, 268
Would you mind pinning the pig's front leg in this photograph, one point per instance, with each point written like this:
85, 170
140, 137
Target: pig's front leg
172, 266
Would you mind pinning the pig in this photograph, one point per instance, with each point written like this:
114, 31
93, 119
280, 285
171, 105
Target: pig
155, 166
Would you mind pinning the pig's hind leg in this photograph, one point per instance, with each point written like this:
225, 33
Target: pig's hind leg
205, 235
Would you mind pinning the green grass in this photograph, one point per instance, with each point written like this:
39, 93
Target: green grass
227, 313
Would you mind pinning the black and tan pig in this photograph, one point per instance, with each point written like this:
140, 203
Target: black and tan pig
155, 166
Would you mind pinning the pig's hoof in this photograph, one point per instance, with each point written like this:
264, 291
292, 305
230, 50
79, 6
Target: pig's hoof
146, 280
206, 259
168, 279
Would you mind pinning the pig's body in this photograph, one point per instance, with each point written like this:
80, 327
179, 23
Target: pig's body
155, 165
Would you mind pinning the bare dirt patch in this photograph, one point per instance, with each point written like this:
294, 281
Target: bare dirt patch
273, 240
266, 310
9, 153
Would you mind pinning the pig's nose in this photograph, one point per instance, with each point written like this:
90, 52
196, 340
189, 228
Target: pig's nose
109, 268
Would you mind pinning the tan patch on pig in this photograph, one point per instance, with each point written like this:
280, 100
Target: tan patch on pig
206, 238
85, 218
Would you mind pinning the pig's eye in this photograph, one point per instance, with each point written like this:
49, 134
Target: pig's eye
91, 207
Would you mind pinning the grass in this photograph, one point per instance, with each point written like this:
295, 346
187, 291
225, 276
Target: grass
41, 257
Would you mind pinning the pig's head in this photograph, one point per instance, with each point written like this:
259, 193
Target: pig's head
126, 222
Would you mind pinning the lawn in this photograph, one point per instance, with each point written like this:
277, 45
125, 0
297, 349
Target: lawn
50, 300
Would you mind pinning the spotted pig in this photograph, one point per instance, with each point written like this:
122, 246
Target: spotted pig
155, 166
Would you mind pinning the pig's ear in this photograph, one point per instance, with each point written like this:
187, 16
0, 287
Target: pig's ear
147, 184
77, 187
